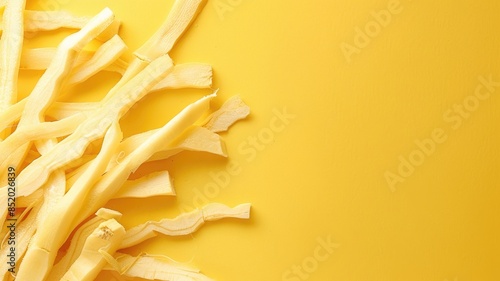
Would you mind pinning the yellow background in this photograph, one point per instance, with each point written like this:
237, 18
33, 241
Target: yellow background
322, 175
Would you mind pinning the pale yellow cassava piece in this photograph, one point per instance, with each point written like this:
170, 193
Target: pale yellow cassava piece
62, 162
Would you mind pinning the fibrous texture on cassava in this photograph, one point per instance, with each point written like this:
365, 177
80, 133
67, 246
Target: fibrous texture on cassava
62, 162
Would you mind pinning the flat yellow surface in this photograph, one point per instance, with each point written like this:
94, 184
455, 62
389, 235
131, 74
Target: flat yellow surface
372, 151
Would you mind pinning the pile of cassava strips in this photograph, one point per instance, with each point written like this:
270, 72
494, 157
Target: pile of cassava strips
53, 186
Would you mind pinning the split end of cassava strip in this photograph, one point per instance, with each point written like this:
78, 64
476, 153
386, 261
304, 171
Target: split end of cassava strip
184, 224
110, 31
78, 240
104, 240
231, 111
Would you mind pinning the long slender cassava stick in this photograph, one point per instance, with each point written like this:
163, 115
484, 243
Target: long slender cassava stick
11, 46
184, 224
